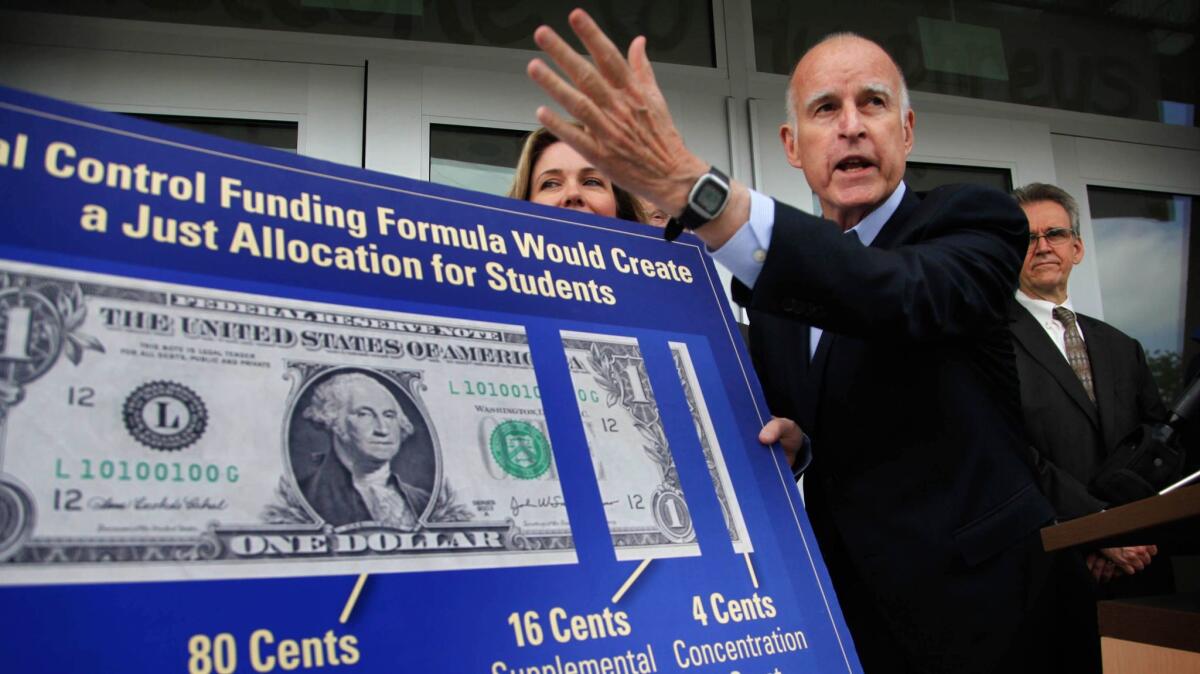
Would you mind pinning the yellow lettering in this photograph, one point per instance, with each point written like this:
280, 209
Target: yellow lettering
560, 635
258, 638
53, 150
288, 650
349, 645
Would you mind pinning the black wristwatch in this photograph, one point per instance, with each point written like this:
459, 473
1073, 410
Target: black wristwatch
706, 201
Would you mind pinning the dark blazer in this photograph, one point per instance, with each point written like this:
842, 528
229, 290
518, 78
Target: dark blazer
920, 489
1070, 436
330, 491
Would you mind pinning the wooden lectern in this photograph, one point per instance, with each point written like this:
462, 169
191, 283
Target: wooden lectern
1148, 635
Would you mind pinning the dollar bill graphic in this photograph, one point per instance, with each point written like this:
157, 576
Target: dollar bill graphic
647, 514
713, 456
154, 431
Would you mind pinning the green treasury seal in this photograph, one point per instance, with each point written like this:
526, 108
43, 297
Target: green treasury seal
520, 449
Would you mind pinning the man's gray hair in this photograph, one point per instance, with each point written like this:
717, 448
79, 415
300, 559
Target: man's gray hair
331, 397
1034, 192
905, 102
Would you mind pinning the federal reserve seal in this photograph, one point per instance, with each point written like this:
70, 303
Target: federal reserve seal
520, 449
164, 415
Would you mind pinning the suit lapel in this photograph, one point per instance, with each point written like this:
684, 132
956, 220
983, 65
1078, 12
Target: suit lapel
900, 224
804, 386
1102, 375
890, 235
1033, 339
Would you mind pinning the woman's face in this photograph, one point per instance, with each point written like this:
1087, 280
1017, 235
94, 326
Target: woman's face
563, 178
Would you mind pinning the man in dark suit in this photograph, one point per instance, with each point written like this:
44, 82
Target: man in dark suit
1084, 384
893, 356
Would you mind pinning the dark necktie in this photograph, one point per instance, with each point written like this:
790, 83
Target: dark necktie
1076, 351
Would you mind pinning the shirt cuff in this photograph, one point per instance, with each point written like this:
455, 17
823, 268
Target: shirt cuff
743, 254
803, 457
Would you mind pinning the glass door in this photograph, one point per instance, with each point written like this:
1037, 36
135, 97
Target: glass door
1141, 269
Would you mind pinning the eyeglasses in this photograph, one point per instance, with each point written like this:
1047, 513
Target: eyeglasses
1055, 237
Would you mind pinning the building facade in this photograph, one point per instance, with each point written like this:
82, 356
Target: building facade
1096, 97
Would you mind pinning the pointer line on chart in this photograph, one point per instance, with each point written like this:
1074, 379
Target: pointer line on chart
629, 581
358, 586
750, 568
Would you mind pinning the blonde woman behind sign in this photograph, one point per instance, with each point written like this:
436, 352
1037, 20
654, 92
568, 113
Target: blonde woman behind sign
550, 172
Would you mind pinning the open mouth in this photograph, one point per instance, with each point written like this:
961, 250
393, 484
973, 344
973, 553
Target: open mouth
854, 165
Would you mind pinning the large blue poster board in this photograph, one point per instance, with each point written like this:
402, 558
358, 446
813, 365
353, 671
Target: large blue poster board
267, 413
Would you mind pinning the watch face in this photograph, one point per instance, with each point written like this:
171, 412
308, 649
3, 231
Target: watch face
710, 196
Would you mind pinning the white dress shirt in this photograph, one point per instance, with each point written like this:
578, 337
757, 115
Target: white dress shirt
1043, 313
743, 255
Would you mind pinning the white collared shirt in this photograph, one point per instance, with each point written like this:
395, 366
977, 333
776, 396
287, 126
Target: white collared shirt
745, 253
1043, 313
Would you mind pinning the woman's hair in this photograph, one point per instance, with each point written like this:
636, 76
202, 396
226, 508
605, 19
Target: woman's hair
536, 143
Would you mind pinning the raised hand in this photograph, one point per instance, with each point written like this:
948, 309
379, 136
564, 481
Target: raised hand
629, 133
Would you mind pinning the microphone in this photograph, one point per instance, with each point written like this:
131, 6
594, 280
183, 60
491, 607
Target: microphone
1187, 407
1148, 459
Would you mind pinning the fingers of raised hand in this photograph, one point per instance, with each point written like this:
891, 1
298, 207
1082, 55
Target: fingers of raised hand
634, 139
608, 58
639, 63
566, 95
582, 73
572, 135
571, 99
622, 88
591, 100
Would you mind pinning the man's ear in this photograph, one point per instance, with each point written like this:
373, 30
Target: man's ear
909, 122
787, 136
1077, 248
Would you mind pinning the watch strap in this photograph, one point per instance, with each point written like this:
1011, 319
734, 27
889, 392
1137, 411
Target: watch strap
672, 230
693, 218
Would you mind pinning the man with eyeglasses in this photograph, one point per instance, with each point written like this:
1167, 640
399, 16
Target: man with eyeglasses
1084, 384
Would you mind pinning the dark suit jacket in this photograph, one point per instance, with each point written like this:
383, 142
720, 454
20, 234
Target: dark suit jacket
330, 491
920, 489
1070, 436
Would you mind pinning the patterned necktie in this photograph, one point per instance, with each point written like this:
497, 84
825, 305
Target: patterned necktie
1076, 351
